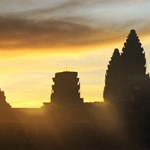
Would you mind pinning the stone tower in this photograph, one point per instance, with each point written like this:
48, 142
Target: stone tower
126, 80
112, 78
66, 89
133, 56
133, 66
3, 103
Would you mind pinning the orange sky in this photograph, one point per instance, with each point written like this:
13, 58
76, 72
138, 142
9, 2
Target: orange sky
39, 39
26, 76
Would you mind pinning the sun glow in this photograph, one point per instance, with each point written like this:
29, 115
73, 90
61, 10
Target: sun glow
26, 74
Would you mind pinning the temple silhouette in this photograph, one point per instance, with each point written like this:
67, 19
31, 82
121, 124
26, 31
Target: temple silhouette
65, 90
126, 80
122, 121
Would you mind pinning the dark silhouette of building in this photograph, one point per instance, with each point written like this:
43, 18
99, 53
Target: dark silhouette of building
133, 65
112, 77
131, 95
66, 89
133, 56
3, 103
126, 74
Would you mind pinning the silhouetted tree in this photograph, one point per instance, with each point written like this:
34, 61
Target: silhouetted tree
112, 78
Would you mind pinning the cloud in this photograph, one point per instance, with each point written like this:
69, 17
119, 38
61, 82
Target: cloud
62, 8
17, 33
70, 23
24, 33
72, 7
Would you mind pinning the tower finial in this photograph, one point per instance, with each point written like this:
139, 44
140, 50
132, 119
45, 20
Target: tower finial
133, 31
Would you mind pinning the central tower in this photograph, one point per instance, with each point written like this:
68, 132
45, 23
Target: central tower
66, 89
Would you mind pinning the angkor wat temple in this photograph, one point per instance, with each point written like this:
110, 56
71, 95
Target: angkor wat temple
66, 122
126, 80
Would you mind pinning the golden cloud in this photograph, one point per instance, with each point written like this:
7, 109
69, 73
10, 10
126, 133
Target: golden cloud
25, 34
30, 34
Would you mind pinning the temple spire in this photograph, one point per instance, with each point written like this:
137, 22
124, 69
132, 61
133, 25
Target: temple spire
112, 77
133, 56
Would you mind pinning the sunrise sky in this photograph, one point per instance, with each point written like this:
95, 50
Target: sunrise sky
39, 37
